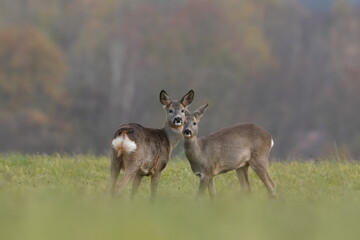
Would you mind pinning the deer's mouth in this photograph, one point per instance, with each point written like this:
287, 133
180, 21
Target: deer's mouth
178, 122
187, 133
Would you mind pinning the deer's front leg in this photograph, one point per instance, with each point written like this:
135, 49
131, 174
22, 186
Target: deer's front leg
211, 187
204, 182
155, 178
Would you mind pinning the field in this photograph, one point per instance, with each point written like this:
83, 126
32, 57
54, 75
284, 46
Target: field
62, 197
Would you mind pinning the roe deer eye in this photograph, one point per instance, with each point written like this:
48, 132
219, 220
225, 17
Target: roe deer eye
194, 123
182, 110
171, 111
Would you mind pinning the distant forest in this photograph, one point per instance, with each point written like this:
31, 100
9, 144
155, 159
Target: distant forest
72, 71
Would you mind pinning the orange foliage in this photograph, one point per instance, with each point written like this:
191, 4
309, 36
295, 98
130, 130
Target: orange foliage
32, 68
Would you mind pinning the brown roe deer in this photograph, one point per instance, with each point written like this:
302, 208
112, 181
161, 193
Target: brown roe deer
232, 148
141, 151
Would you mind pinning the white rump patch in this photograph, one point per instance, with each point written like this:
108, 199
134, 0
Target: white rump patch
123, 143
272, 143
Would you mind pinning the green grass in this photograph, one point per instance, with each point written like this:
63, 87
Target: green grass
61, 197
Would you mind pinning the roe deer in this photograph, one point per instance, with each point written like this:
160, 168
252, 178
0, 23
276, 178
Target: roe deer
142, 151
232, 148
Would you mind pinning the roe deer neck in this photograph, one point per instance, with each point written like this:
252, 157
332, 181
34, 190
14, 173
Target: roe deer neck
192, 149
173, 134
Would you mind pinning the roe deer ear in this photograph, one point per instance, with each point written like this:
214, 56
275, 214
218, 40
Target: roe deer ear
164, 98
187, 98
200, 111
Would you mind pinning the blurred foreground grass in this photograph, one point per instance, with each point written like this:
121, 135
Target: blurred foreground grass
60, 197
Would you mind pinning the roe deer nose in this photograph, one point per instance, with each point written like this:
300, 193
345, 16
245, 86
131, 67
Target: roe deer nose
177, 121
187, 132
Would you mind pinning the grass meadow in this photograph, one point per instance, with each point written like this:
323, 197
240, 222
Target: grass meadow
67, 197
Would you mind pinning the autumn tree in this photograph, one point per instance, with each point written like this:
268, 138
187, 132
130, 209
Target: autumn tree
31, 90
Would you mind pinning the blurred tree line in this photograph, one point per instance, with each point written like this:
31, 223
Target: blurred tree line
71, 71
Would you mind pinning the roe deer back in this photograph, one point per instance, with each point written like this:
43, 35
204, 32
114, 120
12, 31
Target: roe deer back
232, 148
142, 151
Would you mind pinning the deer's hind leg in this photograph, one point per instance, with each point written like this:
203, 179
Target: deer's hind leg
136, 182
128, 176
242, 174
260, 166
115, 168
